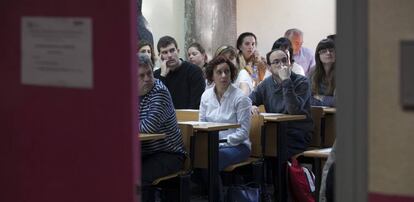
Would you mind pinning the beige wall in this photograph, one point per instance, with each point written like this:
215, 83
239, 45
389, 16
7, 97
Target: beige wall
269, 19
166, 17
391, 130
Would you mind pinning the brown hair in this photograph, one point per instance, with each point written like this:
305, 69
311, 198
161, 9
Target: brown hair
213, 64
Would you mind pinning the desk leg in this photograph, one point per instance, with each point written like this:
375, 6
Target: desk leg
318, 172
213, 172
281, 161
323, 132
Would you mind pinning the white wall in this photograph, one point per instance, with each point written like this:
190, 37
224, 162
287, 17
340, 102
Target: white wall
165, 17
269, 19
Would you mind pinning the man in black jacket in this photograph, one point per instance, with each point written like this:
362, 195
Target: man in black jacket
184, 80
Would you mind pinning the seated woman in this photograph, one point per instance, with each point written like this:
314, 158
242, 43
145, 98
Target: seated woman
145, 47
288, 93
229, 52
157, 115
197, 55
251, 66
225, 103
284, 43
323, 75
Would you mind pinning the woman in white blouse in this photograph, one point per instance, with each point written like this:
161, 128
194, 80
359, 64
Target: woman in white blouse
225, 103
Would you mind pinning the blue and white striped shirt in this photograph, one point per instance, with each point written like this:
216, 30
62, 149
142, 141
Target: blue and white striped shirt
157, 115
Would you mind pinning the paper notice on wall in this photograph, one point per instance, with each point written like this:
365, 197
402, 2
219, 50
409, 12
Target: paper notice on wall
57, 51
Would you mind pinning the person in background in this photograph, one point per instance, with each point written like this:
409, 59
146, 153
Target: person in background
197, 55
323, 75
157, 115
284, 43
288, 93
145, 47
251, 65
303, 56
225, 103
229, 52
184, 80
332, 37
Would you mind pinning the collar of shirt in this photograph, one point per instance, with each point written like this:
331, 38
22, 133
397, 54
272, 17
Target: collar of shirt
227, 92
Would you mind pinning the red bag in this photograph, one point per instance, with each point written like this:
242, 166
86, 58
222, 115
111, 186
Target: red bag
301, 182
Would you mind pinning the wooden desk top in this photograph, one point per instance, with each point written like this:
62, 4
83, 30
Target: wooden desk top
146, 136
210, 126
187, 110
329, 110
277, 117
318, 153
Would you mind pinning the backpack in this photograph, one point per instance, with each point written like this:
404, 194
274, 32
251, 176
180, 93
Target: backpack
301, 182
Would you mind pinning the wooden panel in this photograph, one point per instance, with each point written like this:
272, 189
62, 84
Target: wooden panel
330, 130
317, 113
201, 150
271, 140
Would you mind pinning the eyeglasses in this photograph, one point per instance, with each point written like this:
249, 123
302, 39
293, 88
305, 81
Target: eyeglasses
279, 61
325, 51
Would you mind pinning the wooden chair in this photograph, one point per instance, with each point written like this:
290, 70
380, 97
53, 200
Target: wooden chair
256, 156
255, 135
182, 176
186, 114
262, 109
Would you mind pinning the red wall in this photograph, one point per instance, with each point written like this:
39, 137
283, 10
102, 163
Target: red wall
64, 144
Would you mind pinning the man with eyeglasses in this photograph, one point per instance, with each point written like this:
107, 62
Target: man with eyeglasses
288, 93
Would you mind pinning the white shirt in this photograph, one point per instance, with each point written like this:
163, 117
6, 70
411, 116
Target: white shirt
234, 107
244, 77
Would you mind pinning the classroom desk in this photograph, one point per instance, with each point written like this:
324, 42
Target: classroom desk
146, 136
212, 130
281, 121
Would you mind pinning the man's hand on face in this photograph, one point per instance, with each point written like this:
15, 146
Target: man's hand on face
285, 72
164, 69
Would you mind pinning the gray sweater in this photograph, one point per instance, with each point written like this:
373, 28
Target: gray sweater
292, 96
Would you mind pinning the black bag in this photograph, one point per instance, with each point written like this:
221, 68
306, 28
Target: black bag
243, 193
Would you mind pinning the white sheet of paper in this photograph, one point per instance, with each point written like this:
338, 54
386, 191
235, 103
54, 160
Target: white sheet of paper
57, 51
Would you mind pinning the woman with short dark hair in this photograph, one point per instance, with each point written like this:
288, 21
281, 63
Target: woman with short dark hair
225, 103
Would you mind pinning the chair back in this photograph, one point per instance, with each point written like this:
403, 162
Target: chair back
262, 109
187, 132
255, 134
186, 114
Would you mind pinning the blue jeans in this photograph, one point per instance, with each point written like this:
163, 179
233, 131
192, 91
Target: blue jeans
232, 154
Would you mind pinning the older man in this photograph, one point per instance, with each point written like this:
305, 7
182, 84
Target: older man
305, 57
157, 115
